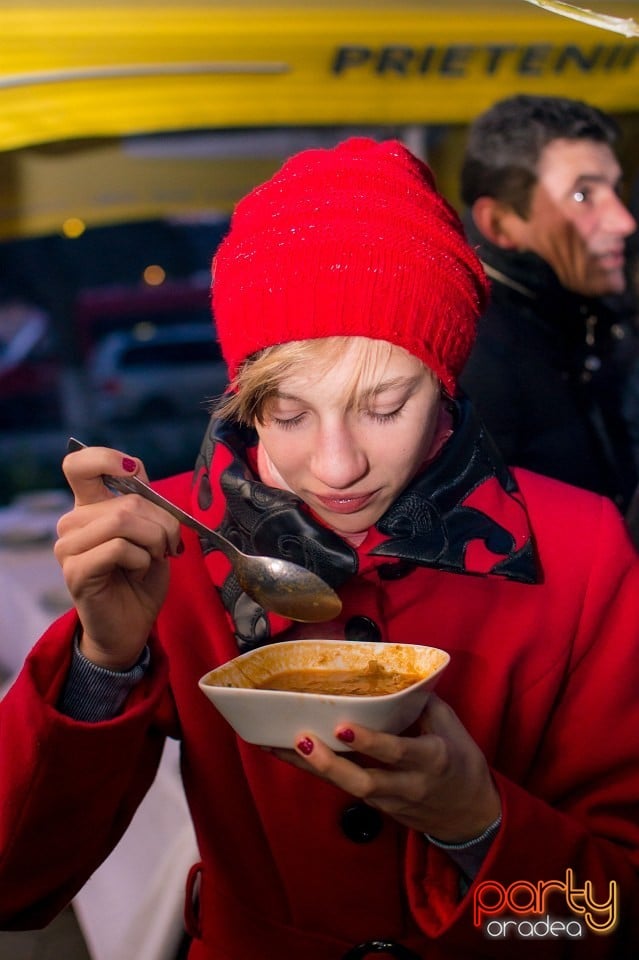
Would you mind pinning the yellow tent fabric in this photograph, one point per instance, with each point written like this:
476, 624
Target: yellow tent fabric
80, 69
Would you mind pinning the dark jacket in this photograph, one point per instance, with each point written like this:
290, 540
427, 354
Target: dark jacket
547, 374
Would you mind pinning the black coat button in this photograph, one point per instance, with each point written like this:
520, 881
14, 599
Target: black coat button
360, 823
362, 629
376, 947
395, 571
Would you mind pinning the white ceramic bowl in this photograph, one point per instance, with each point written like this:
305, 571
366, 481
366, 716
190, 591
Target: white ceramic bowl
276, 718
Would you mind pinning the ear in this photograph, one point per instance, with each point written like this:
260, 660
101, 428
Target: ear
498, 222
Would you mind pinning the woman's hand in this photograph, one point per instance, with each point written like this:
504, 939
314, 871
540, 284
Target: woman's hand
437, 782
114, 552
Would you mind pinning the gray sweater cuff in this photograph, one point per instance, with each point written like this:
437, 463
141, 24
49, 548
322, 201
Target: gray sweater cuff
469, 855
92, 693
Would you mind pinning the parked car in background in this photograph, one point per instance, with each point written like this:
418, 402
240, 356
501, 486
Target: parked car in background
151, 372
29, 368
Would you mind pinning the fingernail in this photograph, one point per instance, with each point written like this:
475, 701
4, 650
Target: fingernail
128, 464
346, 735
180, 548
305, 746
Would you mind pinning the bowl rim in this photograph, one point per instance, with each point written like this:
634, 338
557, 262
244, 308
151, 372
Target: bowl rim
346, 697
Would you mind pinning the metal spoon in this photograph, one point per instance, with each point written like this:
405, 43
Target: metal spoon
278, 585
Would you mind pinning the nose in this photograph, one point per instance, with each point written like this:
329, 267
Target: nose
619, 218
338, 459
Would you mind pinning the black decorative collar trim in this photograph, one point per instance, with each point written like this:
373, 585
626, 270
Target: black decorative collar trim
463, 513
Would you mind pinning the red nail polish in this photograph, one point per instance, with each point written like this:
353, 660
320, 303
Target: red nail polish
346, 736
128, 464
305, 746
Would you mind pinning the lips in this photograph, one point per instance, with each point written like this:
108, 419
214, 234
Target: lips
345, 504
613, 259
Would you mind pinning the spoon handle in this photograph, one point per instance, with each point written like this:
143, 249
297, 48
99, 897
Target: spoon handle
135, 485
274, 584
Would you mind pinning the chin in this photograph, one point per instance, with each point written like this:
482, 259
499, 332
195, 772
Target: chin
612, 283
606, 287
355, 531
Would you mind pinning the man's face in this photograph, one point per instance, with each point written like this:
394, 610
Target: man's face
577, 223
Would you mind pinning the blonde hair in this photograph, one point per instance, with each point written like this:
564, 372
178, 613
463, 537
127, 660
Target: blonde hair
260, 377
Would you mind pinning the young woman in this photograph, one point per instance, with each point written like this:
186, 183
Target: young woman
345, 298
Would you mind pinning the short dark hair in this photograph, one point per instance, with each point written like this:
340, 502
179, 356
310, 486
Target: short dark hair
505, 143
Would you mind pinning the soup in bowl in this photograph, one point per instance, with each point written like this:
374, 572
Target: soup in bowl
273, 694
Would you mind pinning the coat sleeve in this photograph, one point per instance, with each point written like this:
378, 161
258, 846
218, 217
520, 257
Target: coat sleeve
68, 789
574, 818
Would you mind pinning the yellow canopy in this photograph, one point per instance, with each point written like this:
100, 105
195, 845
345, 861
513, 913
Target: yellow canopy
79, 80
80, 69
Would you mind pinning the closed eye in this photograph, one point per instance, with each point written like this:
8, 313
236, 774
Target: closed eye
379, 417
288, 423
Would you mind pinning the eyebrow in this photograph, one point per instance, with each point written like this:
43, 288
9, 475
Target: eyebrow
384, 386
596, 178
402, 382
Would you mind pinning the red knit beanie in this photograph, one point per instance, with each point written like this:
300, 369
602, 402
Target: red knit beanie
351, 241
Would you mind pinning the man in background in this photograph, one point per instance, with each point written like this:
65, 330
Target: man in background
540, 178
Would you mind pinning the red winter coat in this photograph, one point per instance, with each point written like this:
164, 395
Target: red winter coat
545, 677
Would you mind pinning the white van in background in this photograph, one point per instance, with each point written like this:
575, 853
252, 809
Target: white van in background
153, 372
